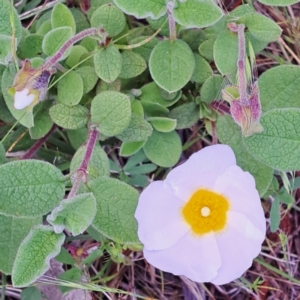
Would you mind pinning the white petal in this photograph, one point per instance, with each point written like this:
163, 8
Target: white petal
239, 187
195, 257
22, 99
239, 244
200, 170
160, 222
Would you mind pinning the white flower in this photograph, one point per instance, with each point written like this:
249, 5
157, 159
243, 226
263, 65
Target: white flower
23, 99
205, 220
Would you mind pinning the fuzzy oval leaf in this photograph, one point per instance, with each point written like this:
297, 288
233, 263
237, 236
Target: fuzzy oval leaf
163, 124
98, 165
31, 46
206, 48
55, 38
211, 89
110, 18
261, 27
8, 14
230, 133
111, 111
108, 63
278, 2
24, 116
163, 149
31, 293
116, 204
76, 52
30, 188
202, 69
186, 115
132, 65
195, 13
279, 87
137, 130
278, 146
146, 49
70, 89
75, 214
69, 117
62, 16
172, 64
89, 77
226, 52
143, 8
34, 254
130, 148
13, 230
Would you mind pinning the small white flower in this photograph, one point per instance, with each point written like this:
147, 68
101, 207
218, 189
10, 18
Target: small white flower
23, 99
205, 220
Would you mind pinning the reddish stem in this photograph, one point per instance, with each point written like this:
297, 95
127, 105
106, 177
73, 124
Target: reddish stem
81, 172
172, 24
38, 144
241, 65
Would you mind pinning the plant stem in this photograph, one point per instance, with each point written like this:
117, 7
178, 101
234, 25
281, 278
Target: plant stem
3, 279
38, 144
76, 38
172, 24
241, 65
81, 172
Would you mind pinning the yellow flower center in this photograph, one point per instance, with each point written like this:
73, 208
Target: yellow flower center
206, 211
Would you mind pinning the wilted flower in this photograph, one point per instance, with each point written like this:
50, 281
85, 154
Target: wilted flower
205, 220
30, 86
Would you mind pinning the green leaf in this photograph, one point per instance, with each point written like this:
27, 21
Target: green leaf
211, 89
279, 144
202, 69
110, 18
130, 148
163, 124
261, 27
278, 2
5, 49
111, 111
77, 137
31, 293
132, 65
279, 87
230, 133
75, 55
62, 16
285, 197
55, 38
160, 23
31, 46
143, 169
42, 121
22, 115
163, 149
89, 77
12, 232
69, 117
34, 254
146, 49
151, 92
72, 275
143, 8
2, 154
275, 215
116, 204
105, 86
8, 14
108, 63
65, 257
186, 115
30, 188
98, 165
137, 130
206, 48
195, 13
70, 89
75, 214
171, 64
154, 109
135, 160
80, 19
226, 52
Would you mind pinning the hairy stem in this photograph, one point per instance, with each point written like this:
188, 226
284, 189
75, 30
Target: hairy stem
81, 172
241, 65
76, 38
172, 24
38, 144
